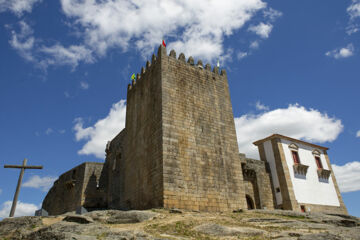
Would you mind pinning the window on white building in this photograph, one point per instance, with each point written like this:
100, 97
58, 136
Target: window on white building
295, 156
318, 162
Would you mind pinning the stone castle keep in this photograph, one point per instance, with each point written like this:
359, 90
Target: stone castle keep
179, 150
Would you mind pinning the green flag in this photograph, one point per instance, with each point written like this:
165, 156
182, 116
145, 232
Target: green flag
133, 76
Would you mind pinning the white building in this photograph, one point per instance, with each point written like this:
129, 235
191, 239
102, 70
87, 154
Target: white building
302, 177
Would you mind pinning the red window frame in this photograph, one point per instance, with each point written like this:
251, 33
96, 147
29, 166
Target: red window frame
302, 207
295, 156
318, 162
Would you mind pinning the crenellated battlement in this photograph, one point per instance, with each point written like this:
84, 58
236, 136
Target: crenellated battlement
199, 64
143, 71
190, 62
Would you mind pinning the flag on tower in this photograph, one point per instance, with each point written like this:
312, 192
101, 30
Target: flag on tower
163, 43
133, 76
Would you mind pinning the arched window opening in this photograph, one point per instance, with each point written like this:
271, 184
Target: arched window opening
250, 202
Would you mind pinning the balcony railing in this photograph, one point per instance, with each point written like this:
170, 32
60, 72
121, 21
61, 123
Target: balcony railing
323, 173
300, 169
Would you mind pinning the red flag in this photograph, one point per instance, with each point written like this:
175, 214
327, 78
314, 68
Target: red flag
163, 43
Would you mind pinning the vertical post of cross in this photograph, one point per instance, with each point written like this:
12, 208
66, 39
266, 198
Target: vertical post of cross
13, 207
22, 167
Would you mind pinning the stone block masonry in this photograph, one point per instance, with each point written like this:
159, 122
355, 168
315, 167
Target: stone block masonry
179, 146
201, 165
77, 187
140, 164
257, 182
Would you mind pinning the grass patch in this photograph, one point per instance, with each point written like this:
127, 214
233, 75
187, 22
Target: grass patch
275, 228
180, 228
253, 238
296, 217
102, 235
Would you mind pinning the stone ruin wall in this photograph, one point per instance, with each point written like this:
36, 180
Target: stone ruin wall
257, 182
76, 187
113, 175
94, 194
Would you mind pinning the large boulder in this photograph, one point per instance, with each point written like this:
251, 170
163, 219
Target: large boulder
78, 219
118, 217
221, 231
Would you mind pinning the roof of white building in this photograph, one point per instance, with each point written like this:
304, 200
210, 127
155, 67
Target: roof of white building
258, 142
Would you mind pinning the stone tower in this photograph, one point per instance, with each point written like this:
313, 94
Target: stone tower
179, 147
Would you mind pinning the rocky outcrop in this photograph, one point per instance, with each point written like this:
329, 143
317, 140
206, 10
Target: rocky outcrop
163, 224
118, 217
220, 230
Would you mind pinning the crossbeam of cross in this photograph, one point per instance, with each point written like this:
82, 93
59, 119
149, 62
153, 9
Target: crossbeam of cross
22, 167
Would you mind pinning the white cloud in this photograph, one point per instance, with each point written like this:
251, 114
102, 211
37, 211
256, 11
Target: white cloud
261, 107
272, 14
348, 176
49, 131
263, 29
354, 12
358, 134
62, 131
352, 28
84, 85
241, 55
22, 209
354, 9
198, 26
23, 42
344, 52
60, 55
103, 130
295, 121
17, 7
43, 183
42, 56
254, 45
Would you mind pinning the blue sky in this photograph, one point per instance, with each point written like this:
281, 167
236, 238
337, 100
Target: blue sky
64, 65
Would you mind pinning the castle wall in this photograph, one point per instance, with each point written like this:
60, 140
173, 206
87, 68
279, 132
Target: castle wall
263, 183
202, 169
93, 195
257, 182
71, 189
141, 166
115, 155
250, 191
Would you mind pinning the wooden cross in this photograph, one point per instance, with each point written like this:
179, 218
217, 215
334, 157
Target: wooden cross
23, 167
